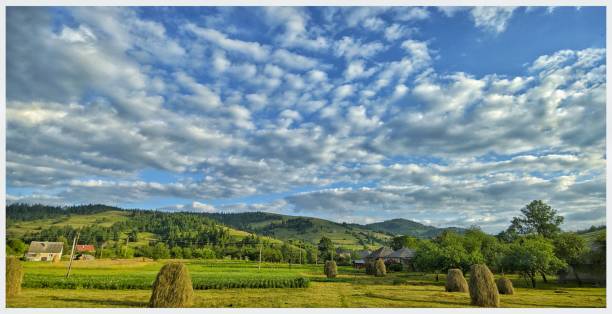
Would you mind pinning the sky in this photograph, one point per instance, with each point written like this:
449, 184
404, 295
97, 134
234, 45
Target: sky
449, 116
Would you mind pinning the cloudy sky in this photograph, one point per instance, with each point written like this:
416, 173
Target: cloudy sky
446, 116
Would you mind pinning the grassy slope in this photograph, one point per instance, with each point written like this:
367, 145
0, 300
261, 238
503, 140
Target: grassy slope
351, 289
105, 219
591, 236
344, 235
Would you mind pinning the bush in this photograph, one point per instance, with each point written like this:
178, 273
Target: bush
455, 282
172, 287
331, 270
483, 290
396, 267
14, 276
381, 270
504, 286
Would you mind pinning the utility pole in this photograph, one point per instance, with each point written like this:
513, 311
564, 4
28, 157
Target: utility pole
72, 254
316, 257
300, 249
260, 246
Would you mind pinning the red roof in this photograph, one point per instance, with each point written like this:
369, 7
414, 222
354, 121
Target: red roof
85, 248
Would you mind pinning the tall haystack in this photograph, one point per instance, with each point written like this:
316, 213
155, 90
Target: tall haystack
504, 286
455, 282
381, 270
483, 290
370, 268
172, 287
331, 270
14, 276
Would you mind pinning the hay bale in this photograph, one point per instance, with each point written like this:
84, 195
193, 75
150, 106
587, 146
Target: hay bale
504, 286
455, 282
370, 268
381, 269
330, 269
483, 291
14, 276
172, 287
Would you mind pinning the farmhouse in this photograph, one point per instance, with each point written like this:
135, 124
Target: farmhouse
360, 261
44, 251
85, 248
381, 252
403, 256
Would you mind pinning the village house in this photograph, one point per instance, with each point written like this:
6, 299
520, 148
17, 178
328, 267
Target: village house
360, 261
381, 252
44, 251
402, 256
85, 248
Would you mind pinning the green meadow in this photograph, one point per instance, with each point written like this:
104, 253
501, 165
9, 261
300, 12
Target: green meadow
227, 283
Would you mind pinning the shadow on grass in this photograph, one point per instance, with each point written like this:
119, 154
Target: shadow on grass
392, 298
110, 302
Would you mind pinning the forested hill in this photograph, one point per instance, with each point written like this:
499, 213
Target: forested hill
402, 226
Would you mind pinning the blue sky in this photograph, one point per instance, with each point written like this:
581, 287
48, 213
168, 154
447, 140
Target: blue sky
451, 116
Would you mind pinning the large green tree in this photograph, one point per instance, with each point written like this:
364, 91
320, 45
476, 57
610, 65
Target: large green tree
532, 255
404, 241
571, 248
537, 218
326, 249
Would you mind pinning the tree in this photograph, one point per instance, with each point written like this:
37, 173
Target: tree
326, 249
537, 218
15, 247
404, 241
427, 257
531, 256
571, 248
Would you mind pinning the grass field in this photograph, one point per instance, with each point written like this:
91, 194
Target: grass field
352, 288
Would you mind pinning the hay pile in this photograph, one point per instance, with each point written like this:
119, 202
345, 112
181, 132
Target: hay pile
172, 287
331, 270
504, 286
370, 268
381, 270
455, 282
483, 291
14, 276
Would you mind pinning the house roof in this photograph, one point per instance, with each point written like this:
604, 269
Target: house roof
402, 253
381, 252
363, 253
45, 247
85, 248
358, 261
342, 251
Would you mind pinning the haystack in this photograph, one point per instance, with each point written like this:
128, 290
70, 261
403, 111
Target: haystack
331, 270
381, 270
14, 276
370, 268
172, 287
504, 286
455, 282
483, 291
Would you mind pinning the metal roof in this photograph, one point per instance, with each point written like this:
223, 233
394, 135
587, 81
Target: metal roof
46, 247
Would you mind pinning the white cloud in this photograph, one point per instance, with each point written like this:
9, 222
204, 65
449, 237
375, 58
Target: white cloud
492, 19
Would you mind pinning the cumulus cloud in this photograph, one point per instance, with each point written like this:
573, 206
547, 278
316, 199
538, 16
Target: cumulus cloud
365, 124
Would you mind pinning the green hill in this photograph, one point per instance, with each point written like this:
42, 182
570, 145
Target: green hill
308, 229
402, 226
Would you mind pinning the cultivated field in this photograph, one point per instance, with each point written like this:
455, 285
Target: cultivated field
224, 283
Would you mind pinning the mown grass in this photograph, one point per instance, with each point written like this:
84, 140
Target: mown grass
352, 288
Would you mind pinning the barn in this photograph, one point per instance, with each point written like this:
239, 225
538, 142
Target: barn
44, 251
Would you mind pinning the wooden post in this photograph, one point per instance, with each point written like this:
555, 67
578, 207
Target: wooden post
259, 266
300, 248
72, 254
317, 257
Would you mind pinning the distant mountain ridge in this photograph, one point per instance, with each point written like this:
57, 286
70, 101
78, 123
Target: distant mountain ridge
401, 226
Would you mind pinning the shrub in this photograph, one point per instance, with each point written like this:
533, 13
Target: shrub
504, 286
396, 267
14, 276
381, 270
483, 291
455, 282
331, 270
172, 287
